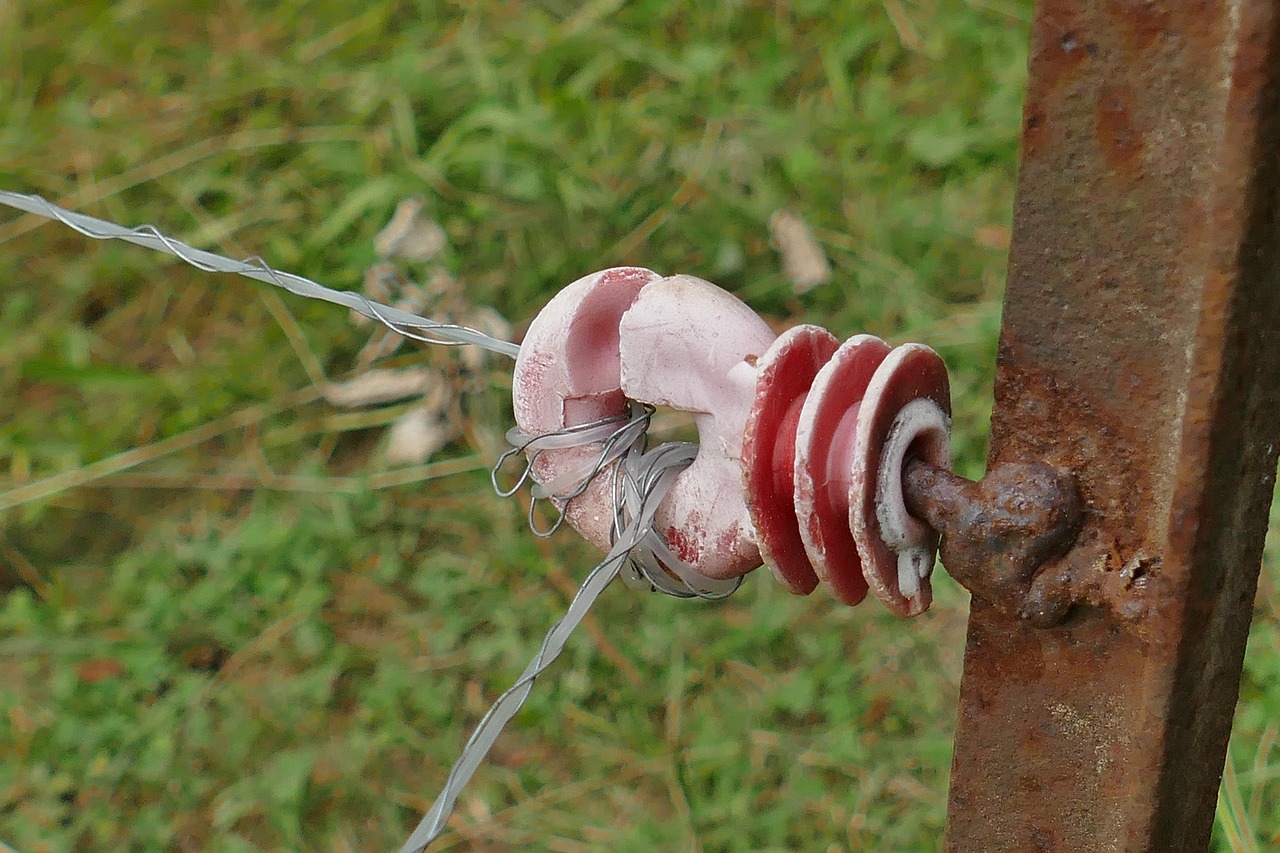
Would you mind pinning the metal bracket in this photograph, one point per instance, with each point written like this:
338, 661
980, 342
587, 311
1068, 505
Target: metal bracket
1020, 540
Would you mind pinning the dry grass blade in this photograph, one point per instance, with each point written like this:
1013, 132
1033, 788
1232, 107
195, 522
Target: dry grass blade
271, 481
907, 31
218, 146
29, 574
684, 193
1266, 744
1232, 816
87, 474
378, 386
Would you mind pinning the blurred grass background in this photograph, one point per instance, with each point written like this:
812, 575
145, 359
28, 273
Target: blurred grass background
254, 639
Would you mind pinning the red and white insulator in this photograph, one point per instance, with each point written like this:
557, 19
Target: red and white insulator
802, 440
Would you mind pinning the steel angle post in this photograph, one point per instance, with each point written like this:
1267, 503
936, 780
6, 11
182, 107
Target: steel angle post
1140, 353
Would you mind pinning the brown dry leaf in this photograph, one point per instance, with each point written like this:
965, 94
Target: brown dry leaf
409, 235
99, 669
803, 260
416, 436
378, 281
379, 386
384, 342
993, 237
443, 288
482, 318
478, 809
426, 428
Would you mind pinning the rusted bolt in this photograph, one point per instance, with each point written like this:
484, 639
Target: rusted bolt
998, 532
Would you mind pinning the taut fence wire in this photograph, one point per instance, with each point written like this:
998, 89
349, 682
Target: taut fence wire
641, 479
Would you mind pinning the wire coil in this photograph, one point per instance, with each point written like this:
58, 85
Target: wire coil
637, 474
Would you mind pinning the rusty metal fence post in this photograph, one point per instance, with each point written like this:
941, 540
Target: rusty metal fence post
1140, 353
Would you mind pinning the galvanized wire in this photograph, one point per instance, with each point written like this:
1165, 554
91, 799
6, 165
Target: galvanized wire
654, 473
641, 479
616, 435
395, 319
652, 563
622, 441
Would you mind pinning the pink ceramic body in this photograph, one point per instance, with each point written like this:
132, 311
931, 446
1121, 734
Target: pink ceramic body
801, 443
786, 374
567, 374
824, 464
906, 407
681, 342
690, 346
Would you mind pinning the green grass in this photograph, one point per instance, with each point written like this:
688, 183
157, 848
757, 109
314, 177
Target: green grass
294, 663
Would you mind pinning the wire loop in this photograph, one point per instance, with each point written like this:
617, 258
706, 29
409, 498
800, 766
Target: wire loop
637, 475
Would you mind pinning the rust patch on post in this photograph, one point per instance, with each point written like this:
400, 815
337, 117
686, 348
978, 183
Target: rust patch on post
1140, 353
1118, 135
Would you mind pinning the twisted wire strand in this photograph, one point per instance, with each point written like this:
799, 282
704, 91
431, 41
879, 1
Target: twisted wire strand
657, 470
642, 478
397, 320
